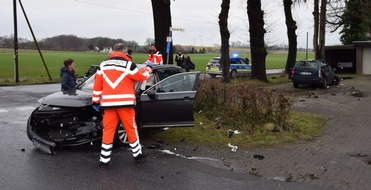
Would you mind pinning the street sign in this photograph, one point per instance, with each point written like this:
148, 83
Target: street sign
168, 47
168, 39
176, 29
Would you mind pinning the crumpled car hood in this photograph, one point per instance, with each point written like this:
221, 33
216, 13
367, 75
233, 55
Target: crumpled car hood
80, 99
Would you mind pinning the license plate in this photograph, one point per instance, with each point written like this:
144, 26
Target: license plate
305, 73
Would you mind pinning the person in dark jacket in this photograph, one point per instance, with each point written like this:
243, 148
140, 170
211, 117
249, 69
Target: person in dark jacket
188, 64
68, 77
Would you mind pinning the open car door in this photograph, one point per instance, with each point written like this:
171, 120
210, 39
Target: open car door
169, 103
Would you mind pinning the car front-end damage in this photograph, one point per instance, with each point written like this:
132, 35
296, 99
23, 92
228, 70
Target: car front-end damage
50, 126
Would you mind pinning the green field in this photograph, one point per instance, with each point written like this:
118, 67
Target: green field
31, 68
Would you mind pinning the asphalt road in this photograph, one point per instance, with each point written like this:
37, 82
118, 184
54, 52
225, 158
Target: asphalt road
25, 167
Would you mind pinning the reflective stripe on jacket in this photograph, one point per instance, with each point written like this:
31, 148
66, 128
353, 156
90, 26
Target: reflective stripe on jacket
114, 82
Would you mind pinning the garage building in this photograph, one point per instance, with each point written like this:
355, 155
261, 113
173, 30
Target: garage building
353, 59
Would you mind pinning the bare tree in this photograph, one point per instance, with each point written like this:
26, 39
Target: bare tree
257, 31
224, 35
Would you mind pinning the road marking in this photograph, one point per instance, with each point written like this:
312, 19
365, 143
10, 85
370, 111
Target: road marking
187, 157
24, 108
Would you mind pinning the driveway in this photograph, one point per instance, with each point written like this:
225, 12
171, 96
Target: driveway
340, 159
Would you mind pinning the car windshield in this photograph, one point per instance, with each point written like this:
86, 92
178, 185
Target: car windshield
214, 60
87, 84
307, 65
161, 73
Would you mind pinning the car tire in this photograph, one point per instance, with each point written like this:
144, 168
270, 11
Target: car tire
295, 84
336, 80
233, 74
121, 137
324, 83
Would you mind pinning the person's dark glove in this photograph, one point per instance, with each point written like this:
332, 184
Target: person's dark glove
96, 107
149, 63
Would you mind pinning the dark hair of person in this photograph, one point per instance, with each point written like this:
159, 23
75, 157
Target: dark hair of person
130, 51
68, 62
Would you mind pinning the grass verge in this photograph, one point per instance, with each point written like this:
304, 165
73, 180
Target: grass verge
304, 126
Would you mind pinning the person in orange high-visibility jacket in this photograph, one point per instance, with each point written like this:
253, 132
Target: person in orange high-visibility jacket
155, 56
114, 92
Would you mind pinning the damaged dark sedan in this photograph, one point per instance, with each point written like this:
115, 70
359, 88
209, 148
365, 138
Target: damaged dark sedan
165, 99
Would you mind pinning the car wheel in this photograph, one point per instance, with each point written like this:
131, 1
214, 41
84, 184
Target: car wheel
121, 137
233, 74
296, 85
336, 80
324, 83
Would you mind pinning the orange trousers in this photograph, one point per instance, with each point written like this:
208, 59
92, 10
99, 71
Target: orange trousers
111, 118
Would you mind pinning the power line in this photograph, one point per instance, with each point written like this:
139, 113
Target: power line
112, 7
139, 12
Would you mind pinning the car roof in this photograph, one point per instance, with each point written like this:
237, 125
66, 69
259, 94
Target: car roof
230, 57
158, 66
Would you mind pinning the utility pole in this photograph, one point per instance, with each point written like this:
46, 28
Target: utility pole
34, 38
201, 35
306, 49
16, 77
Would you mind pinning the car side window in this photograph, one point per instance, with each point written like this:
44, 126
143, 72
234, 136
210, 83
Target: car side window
176, 83
164, 73
236, 61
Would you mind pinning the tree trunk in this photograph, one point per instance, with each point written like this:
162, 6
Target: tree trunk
257, 31
291, 35
322, 30
315, 27
224, 35
162, 23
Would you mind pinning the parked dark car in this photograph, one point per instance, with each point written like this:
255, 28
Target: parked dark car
165, 99
315, 72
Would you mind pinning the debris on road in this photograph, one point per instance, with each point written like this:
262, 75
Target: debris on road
229, 133
258, 156
234, 148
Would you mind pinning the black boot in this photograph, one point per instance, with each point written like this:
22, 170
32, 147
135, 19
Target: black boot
141, 157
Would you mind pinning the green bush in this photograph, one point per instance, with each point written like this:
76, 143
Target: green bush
243, 105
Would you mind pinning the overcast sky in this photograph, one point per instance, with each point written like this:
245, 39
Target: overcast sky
132, 20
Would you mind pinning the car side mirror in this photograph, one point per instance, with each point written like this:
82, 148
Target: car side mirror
151, 92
